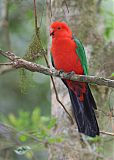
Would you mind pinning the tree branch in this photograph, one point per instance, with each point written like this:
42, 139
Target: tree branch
6, 68
107, 133
33, 67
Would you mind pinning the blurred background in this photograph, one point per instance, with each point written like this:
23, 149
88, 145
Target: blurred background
17, 38
23, 97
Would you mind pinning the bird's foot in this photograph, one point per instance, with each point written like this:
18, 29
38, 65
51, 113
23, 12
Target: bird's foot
70, 74
61, 71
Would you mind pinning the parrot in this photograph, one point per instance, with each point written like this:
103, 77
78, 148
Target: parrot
68, 55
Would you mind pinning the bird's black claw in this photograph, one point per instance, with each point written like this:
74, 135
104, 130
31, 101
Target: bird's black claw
61, 71
71, 73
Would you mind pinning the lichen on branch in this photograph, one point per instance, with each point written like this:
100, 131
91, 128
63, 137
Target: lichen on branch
18, 62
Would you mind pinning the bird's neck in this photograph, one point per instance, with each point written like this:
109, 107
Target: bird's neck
61, 38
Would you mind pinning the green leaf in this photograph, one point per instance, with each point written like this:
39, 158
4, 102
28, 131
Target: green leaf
12, 119
112, 75
36, 115
59, 139
55, 140
52, 123
45, 119
94, 139
52, 140
100, 149
23, 138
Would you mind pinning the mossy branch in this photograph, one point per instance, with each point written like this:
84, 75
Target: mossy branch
18, 62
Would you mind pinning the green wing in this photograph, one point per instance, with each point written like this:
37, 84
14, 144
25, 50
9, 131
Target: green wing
52, 61
81, 53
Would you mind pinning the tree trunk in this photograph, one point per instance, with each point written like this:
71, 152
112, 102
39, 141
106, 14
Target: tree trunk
87, 25
4, 25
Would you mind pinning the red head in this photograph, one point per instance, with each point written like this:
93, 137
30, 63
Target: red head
60, 29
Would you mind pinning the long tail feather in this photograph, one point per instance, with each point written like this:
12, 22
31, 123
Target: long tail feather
84, 113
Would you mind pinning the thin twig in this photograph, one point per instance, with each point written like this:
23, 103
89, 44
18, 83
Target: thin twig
57, 97
66, 5
50, 10
6, 64
6, 55
106, 114
41, 16
110, 108
35, 17
70, 117
107, 133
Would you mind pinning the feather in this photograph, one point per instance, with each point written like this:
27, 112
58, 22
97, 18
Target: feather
81, 54
84, 113
68, 54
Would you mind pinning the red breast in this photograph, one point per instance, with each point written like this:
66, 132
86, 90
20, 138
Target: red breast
64, 55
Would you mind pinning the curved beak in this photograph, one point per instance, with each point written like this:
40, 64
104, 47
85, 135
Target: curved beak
51, 32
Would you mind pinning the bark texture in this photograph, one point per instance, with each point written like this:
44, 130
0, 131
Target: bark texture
17, 62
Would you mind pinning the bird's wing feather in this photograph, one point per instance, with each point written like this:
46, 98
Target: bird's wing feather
52, 60
81, 53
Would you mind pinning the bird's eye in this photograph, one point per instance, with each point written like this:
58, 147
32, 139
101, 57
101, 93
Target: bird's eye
58, 28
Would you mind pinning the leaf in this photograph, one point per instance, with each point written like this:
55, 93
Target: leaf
12, 119
52, 140
112, 75
22, 150
94, 139
100, 149
52, 123
45, 119
23, 138
36, 115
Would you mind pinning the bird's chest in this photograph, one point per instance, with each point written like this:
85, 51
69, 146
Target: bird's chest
64, 56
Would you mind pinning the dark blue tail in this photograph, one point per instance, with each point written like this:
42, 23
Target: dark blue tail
84, 113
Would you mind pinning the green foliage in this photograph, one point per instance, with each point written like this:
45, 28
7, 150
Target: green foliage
55, 140
34, 52
95, 139
109, 23
29, 129
107, 11
30, 121
99, 149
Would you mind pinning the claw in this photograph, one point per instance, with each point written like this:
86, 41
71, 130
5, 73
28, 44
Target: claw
61, 71
71, 73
